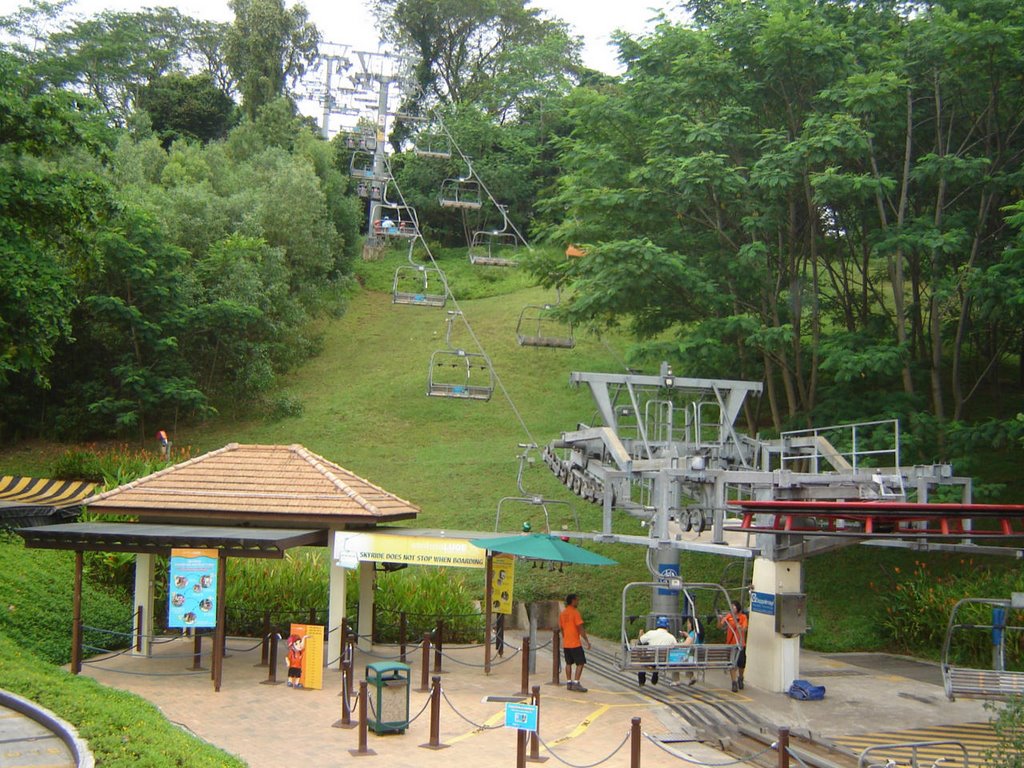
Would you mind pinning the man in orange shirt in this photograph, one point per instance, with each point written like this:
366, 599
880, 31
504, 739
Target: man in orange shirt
573, 635
735, 623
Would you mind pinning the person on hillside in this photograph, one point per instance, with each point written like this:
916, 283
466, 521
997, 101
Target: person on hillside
296, 646
735, 623
659, 636
573, 636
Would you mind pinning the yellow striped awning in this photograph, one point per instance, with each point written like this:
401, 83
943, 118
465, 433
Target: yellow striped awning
41, 491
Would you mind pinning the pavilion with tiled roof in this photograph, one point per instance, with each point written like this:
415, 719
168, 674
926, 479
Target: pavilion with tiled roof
241, 500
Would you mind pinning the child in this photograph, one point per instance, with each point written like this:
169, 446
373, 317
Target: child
296, 645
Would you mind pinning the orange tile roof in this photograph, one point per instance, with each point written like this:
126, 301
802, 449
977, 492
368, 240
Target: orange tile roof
259, 483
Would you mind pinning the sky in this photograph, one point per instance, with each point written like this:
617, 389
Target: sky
349, 21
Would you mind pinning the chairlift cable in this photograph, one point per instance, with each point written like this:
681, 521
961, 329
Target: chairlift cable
469, 328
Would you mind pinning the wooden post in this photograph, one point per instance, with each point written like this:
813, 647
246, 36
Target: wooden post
438, 643
363, 750
76, 616
265, 647
272, 661
403, 628
435, 717
220, 633
425, 671
524, 676
634, 743
139, 628
197, 651
556, 657
535, 736
783, 747
488, 597
520, 748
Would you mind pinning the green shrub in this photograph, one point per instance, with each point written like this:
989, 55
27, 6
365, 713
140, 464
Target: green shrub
36, 598
1008, 724
426, 594
919, 604
121, 729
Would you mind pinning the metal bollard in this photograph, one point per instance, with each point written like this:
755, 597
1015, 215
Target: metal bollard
524, 677
435, 717
783, 747
363, 723
520, 748
556, 657
425, 671
634, 743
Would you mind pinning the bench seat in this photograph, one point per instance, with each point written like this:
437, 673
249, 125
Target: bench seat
982, 683
672, 657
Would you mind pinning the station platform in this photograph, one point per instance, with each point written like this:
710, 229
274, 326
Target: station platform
871, 699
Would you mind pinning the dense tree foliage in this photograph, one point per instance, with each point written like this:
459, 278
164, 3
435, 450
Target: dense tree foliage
152, 274
812, 194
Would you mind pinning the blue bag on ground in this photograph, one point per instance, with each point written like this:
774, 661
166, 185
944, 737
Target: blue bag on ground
806, 691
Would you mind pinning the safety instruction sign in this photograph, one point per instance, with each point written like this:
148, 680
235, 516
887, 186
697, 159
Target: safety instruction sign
502, 579
192, 588
522, 717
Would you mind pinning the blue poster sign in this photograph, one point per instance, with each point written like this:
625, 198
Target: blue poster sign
666, 572
762, 602
522, 717
192, 588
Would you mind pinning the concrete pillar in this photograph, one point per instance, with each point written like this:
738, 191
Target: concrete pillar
335, 604
773, 661
366, 577
145, 571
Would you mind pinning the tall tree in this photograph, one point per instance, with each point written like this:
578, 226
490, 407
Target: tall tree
268, 45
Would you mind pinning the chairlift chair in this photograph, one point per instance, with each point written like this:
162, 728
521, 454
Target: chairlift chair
361, 165
698, 657
459, 374
419, 284
396, 221
988, 622
527, 498
461, 193
433, 144
485, 249
538, 326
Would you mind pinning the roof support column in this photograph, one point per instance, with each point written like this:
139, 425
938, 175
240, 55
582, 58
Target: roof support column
366, 577
774, 659
142, 635
335, 604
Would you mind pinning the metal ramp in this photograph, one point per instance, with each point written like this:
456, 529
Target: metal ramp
459, 374
419, 284
462, 193
538, 326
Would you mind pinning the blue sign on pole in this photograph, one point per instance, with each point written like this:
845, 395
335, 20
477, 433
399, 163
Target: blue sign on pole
762, 602
667, 571
522, 717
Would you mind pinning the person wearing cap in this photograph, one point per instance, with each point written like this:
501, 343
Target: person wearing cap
657, 636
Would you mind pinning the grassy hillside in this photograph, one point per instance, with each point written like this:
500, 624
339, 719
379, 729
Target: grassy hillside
364, 407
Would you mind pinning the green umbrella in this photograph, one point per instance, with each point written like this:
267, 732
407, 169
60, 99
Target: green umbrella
541, 546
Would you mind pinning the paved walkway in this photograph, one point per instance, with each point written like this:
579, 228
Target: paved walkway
270, 725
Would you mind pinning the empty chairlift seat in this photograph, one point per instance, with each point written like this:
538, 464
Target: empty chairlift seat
493, 249
456, 373
981, 656
419, 285
538, 326
460, 193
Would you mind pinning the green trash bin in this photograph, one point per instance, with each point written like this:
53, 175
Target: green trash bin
388, 689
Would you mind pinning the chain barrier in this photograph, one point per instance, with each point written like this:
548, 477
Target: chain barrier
503, 660
409, 648
695, 761
422, 710
475, 725
186, 673
585, 765
243, 650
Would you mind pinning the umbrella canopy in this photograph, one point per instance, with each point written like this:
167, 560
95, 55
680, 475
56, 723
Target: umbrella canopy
541, 546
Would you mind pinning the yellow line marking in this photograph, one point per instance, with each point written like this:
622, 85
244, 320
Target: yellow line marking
580, 729
493, 720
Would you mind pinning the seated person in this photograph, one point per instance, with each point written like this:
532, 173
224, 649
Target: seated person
657, 636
